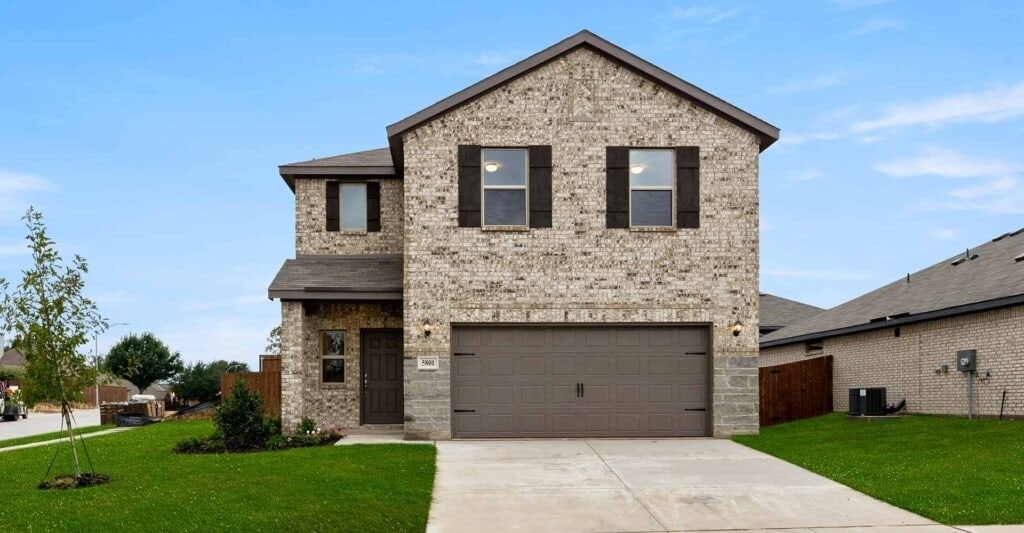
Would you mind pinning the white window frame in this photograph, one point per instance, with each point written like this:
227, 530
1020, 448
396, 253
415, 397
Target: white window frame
333, 357
671, 187
341, 205
525, 187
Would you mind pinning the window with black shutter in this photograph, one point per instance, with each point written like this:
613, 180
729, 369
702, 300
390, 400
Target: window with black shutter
652, 187
350, 206
504, 187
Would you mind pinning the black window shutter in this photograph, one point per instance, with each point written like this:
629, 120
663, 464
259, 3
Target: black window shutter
373, 206
333, 219
688, 187
540, 186
469, 186
617, 187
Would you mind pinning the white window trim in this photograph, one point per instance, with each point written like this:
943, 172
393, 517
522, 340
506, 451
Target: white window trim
525, 187
331, 357
671, 187
341, 205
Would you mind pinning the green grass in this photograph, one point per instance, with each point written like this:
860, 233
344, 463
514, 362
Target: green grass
951, 470
329, 488
50, 436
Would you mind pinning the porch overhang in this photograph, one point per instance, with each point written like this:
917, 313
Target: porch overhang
375, 277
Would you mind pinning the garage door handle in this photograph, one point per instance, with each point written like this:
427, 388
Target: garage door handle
578, 391
458, 354
701, 409
465, 410
583, 390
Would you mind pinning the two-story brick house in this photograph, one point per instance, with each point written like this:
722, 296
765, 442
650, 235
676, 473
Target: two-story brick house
566, 248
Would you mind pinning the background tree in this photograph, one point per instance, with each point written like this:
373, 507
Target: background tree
143, 360
51, 319
274, 341
201, 381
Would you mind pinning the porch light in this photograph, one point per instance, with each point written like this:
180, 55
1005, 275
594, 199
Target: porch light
737, 328
427, 328
491, 166
636, 169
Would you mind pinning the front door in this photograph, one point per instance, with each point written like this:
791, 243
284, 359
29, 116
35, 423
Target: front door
382, 399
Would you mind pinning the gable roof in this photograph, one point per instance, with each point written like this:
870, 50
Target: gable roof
376, 162
991, 276
339, 277
777, 312
765, 131
12, 358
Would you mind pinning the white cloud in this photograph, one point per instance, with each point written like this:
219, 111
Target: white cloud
801, 138
14, 191
993, 105
854, 4
943, 162
806, 175
877, 25
813, 83
9, 250
491, 59
207, 338
818, 274
999, 186
706, 14
943, 234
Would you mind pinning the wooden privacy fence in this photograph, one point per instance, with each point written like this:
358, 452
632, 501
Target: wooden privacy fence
108, 394
796, 390
266, 384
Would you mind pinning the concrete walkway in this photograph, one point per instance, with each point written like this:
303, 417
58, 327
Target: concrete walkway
644, 485
40, 423
63, 440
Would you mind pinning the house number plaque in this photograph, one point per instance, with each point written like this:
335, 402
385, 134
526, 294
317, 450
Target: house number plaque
426, 362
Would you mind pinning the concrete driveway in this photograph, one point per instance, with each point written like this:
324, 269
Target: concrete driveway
39, 423
643, 485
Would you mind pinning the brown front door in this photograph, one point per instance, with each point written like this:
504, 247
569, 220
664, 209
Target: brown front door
382, 401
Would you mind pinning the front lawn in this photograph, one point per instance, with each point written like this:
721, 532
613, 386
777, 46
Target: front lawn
950, 470
52, 435
329, 488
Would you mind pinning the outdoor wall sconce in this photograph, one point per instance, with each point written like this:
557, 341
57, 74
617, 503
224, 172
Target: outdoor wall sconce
427, 328
737, 328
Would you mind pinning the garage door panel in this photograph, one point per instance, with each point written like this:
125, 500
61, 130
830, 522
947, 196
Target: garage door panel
523, 381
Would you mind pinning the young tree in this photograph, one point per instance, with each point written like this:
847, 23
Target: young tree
274, 341
51, 319
201, 381
143, 360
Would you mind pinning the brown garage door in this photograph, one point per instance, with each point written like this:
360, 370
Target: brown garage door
556, 381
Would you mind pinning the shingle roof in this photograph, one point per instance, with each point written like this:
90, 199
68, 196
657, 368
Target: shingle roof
339, 277
376, 162
12, 358
993, 278
378, 157
777, 312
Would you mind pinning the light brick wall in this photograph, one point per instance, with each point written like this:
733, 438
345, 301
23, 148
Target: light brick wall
906, 365
578, 271
303, 394
312, 237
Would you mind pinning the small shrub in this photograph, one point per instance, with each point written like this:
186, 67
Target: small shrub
276, 442
306, 427
273, 426
189, 445
239, 420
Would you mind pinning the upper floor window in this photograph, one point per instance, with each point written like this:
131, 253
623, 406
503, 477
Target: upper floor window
652, 181
505, 186
353, 206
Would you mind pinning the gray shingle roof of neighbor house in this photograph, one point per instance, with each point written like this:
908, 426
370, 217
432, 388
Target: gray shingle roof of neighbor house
990, 277
371, 162
339, 277
12, 358
777, 312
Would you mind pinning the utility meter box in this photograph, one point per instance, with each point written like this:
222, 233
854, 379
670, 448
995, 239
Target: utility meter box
967, 360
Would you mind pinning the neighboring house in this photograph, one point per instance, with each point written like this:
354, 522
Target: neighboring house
566, 248
905, 335
12, 358
777, 312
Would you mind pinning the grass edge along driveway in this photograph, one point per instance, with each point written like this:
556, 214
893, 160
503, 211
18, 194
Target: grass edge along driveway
329, 488
18, 441
951, 470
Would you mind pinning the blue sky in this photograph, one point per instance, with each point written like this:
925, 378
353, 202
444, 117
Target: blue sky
149, 133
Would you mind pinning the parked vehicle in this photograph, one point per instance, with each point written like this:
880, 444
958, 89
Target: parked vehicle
11, 407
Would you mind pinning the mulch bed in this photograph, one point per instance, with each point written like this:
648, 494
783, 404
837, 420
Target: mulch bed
72, 482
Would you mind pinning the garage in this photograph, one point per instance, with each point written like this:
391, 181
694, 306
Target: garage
580, 381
